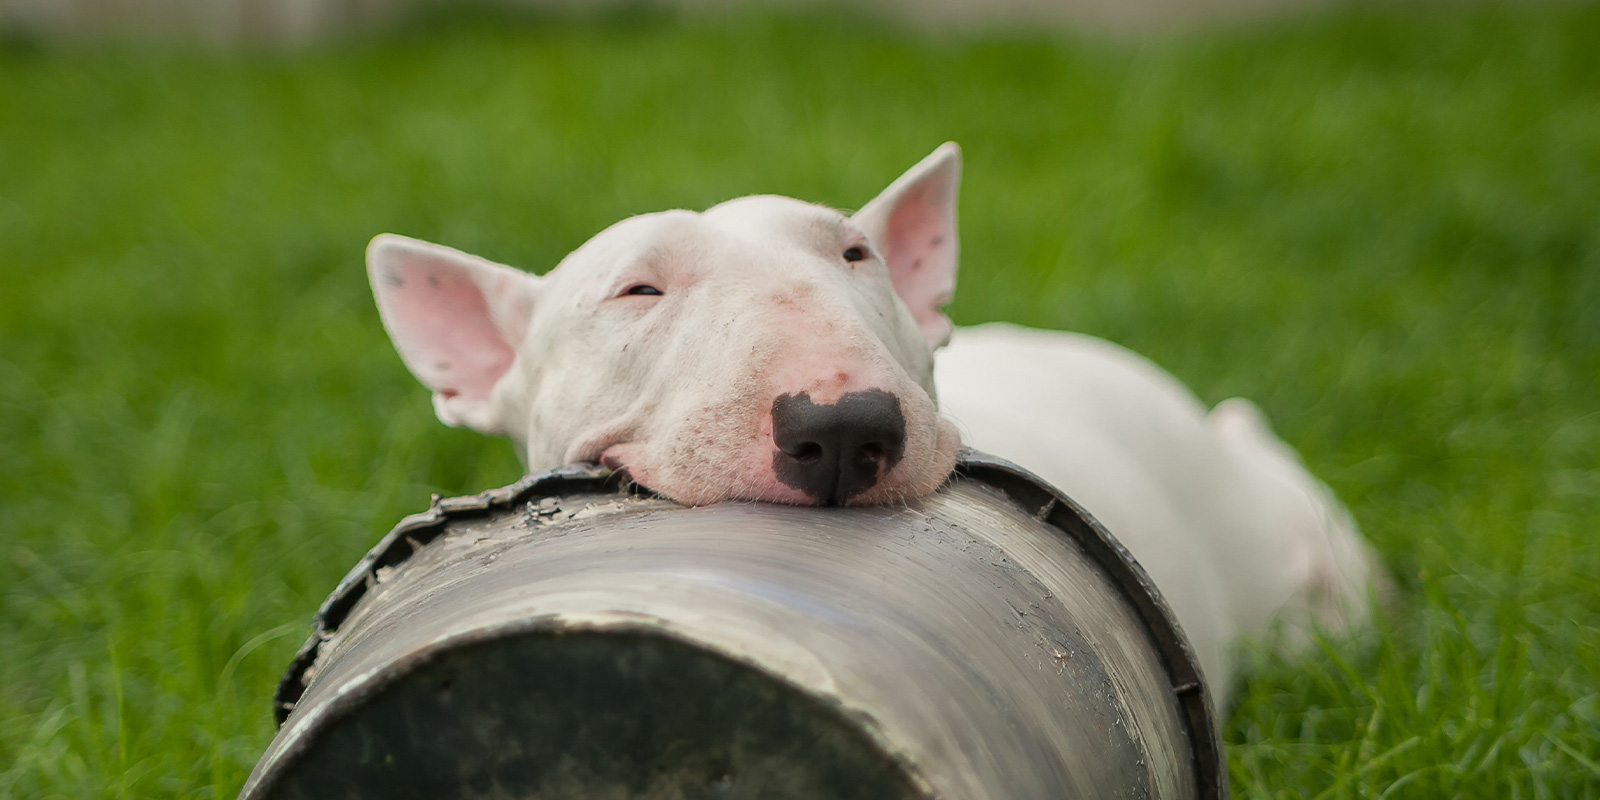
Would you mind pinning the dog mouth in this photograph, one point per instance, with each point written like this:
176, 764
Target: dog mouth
878, 463
623, 473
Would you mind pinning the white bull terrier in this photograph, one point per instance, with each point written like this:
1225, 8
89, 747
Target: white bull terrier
770, 349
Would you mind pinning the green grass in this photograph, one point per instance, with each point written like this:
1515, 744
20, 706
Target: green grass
1383, 226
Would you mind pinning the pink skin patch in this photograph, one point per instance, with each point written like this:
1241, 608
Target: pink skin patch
814, 368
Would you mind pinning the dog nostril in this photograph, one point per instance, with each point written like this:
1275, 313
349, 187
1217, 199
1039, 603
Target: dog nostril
807, 452
872, 451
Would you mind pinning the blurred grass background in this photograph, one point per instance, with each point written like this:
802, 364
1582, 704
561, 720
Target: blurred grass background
1381, 224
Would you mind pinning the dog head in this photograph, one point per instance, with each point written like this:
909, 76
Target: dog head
765, 349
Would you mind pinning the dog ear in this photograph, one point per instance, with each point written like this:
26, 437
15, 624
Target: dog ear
456, 319
913, 225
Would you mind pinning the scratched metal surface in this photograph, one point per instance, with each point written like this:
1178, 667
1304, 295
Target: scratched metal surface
961, 646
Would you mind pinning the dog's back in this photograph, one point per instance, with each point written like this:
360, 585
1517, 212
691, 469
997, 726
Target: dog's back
1233, 529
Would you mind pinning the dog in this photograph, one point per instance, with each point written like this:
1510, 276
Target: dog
769, 349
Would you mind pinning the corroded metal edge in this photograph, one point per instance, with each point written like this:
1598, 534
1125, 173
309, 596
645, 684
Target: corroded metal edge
1028, 491
1047, 504
412, 534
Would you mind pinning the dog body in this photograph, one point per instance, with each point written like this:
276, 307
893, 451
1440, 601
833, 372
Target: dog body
774, 350
1232, 529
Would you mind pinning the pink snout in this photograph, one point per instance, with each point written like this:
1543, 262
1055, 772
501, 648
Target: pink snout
835, 451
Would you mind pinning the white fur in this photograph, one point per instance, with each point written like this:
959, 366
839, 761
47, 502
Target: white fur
757, 301
1222, 514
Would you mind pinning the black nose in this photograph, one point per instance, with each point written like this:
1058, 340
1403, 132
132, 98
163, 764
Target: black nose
836, 452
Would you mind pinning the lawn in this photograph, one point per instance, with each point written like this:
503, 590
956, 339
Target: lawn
1382, 225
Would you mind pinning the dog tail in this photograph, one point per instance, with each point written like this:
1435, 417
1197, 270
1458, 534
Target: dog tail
1338, 570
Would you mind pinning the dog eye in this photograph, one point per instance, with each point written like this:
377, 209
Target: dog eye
644, 289
855, 254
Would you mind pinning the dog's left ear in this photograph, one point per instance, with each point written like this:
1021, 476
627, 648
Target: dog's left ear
913, 225
457, 321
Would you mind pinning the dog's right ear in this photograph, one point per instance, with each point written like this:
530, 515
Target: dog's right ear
913, 224
456, 319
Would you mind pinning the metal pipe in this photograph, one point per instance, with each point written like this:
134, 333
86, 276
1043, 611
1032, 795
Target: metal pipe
563, 638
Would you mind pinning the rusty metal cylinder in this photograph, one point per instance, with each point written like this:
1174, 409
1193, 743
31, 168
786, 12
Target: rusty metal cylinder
561, 638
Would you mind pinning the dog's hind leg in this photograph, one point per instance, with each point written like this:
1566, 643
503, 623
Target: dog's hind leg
1333, 569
